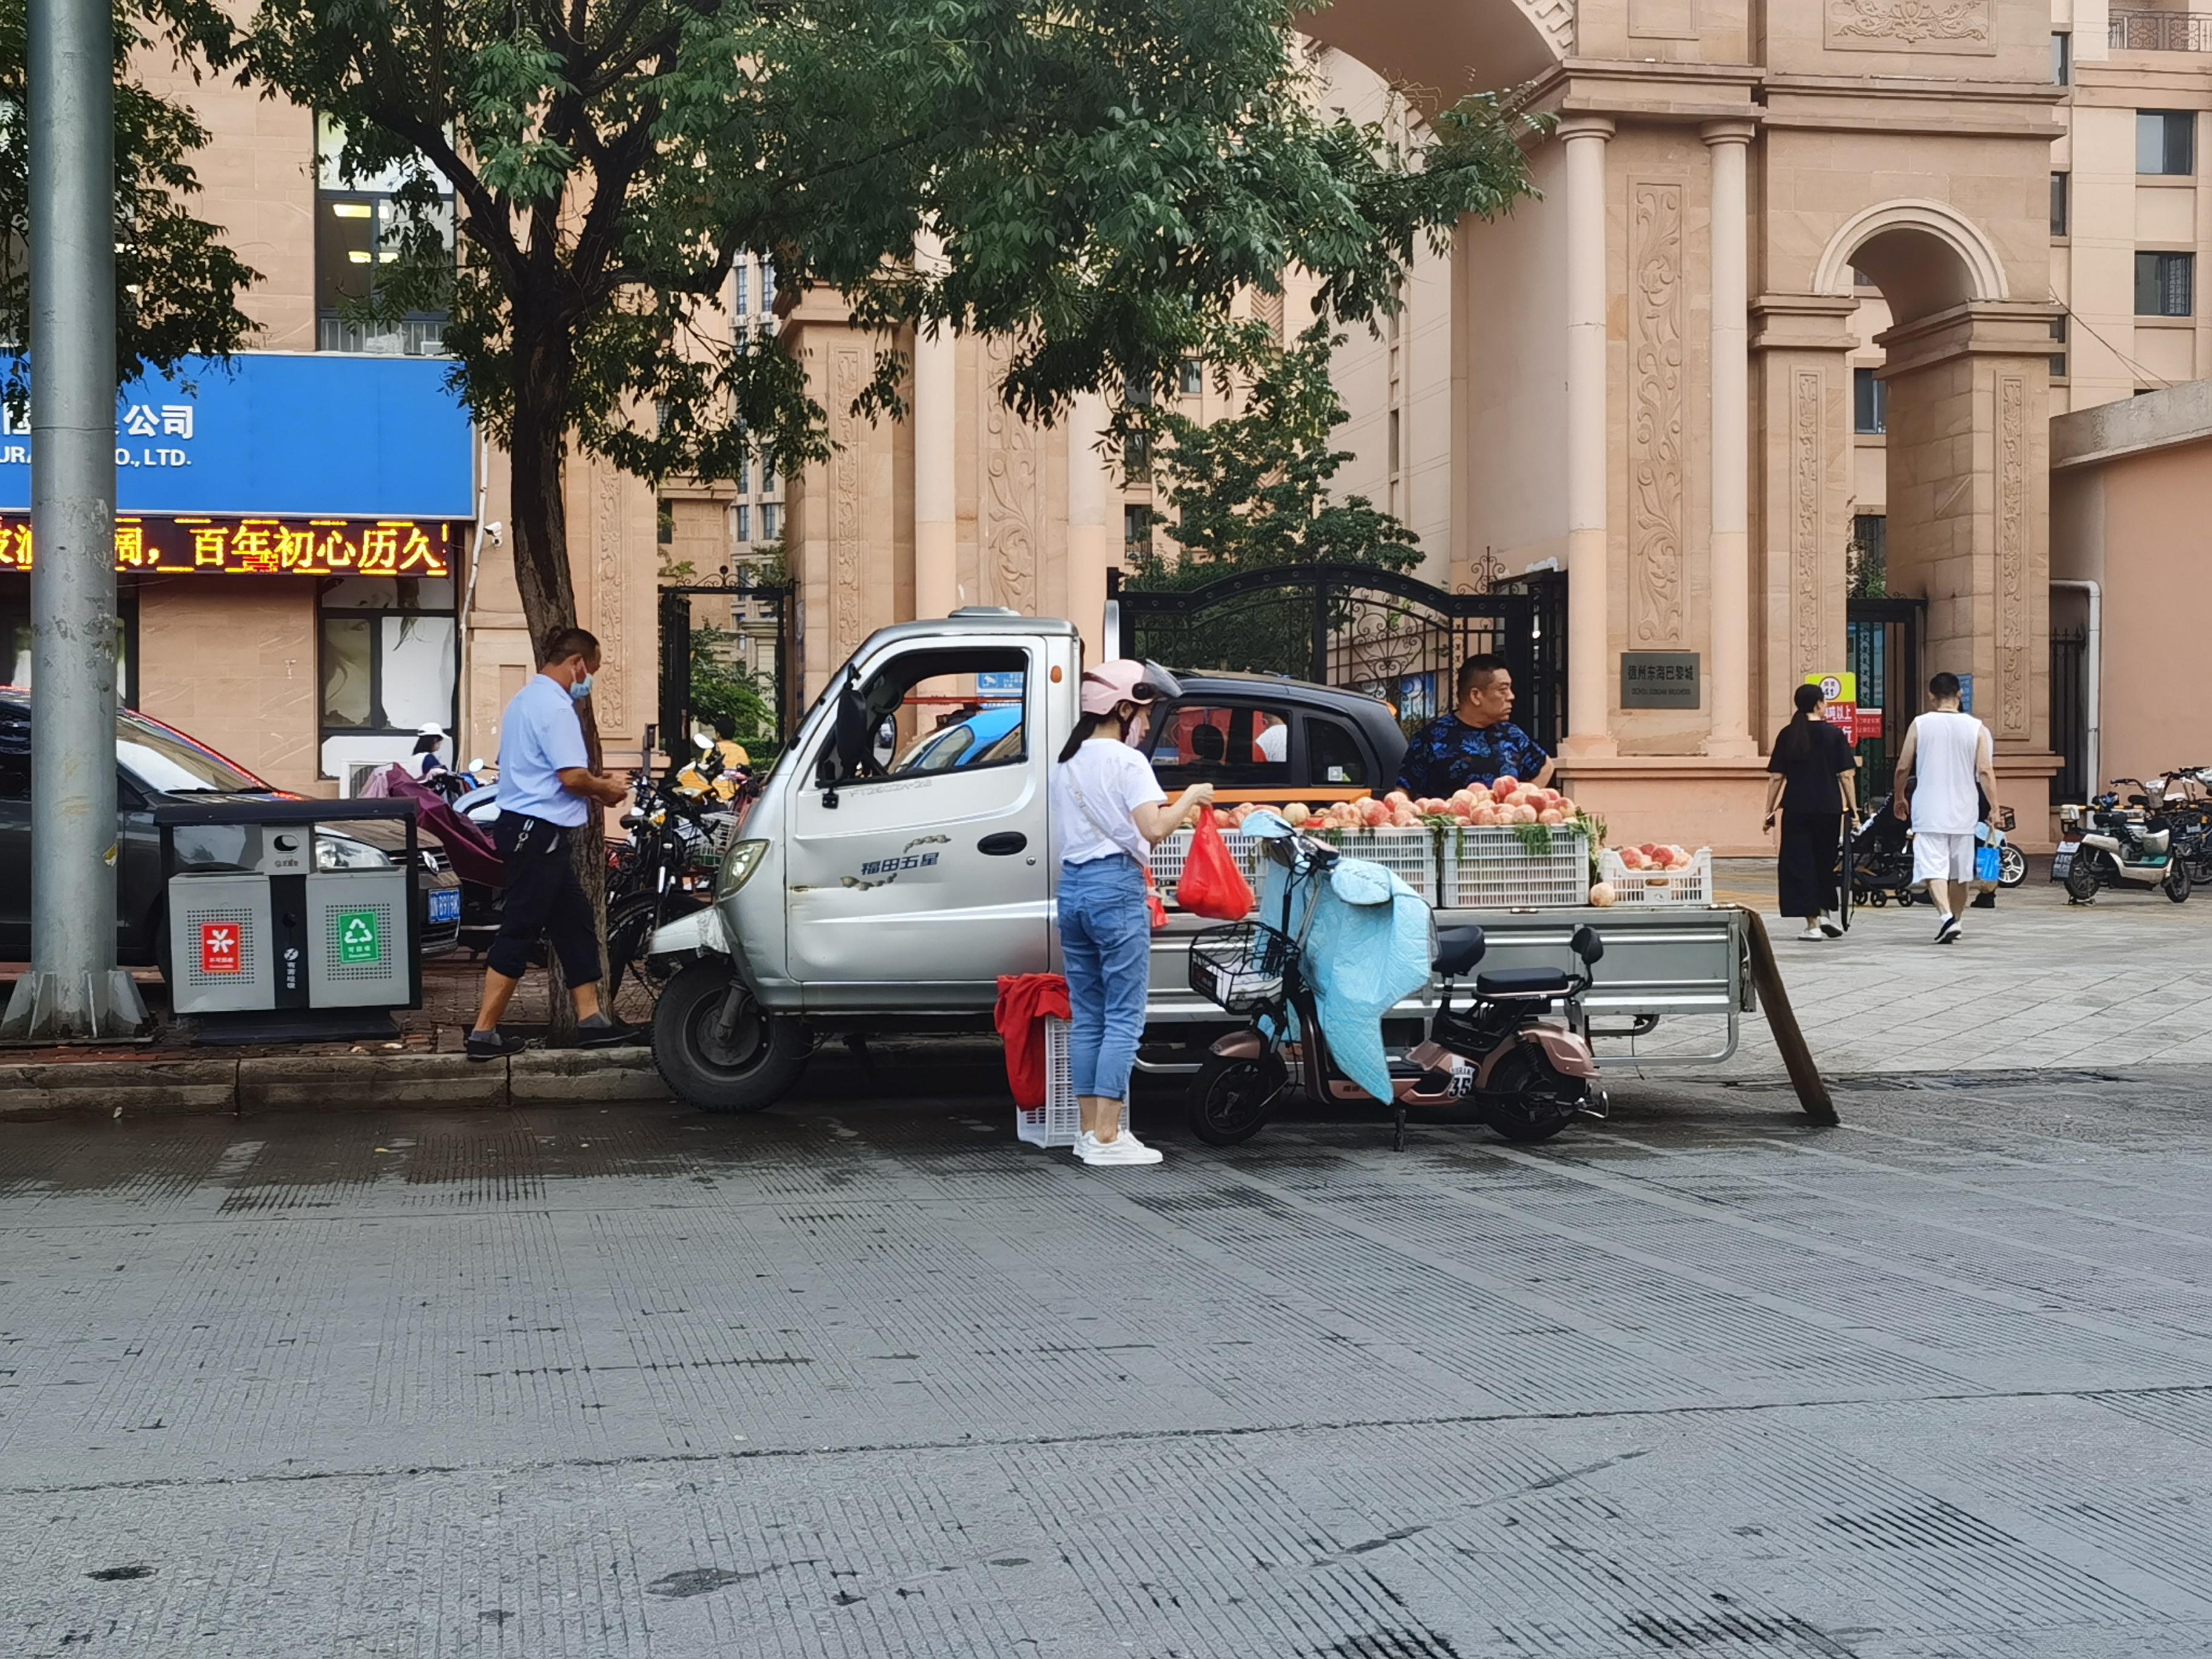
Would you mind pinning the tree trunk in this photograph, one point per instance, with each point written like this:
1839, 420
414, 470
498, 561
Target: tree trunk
539, 518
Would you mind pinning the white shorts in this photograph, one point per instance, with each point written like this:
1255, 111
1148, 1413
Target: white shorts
1939, 857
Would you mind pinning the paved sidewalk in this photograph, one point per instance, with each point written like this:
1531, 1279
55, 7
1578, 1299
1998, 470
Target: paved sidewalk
2037, 983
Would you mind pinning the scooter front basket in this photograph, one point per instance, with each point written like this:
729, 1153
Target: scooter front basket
1242, 966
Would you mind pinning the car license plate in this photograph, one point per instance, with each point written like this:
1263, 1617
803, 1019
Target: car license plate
446, 904
2063, 859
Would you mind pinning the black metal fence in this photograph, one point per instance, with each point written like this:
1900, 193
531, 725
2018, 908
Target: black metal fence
759, 631
1882, 648
2070, 717
1390, 635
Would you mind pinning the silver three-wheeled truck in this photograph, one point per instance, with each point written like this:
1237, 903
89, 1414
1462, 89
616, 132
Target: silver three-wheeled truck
883, 890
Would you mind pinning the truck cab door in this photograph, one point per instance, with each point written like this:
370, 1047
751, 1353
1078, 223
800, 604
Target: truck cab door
915, 881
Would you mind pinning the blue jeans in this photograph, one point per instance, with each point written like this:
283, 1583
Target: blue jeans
1106, 947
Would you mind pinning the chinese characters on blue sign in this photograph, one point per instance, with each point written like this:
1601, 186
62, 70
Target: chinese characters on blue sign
282, 436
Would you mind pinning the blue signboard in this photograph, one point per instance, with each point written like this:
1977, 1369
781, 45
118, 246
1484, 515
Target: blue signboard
326, 436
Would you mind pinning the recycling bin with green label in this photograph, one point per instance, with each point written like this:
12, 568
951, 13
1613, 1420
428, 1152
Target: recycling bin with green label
283, 926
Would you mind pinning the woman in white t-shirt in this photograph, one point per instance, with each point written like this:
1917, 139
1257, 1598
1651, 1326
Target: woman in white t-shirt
1108, 810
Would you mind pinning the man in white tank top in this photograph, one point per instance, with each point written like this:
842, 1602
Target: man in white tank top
1946, 756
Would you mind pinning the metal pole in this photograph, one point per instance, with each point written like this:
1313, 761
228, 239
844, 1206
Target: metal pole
74, 991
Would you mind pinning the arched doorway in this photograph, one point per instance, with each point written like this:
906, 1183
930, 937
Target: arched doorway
1962, 385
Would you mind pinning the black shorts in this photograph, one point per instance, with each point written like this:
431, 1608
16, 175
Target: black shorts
543, 898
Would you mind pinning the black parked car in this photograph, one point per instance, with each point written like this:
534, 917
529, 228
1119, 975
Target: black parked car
155, 762
1258, 731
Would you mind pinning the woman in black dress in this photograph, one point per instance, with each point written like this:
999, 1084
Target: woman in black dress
1814, 783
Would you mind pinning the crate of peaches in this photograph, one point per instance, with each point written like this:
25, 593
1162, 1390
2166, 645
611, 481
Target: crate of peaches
1655, 873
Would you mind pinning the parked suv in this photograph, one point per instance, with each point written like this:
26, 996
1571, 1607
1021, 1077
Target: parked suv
155, 762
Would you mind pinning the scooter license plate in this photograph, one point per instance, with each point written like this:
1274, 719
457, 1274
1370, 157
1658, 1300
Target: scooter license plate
2063, 859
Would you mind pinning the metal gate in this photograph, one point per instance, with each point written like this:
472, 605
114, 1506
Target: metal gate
2070, 717
1365, 629
1882, 648
757, 634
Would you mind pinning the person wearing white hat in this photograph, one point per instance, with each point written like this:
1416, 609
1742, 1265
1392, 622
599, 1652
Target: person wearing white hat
429, 738
1108, 811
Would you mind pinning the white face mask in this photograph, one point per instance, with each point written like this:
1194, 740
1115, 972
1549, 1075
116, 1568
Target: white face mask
1134, 730
581, 689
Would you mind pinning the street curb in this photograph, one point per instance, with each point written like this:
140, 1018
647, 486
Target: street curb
281, 1083
118, 1088
344, 1082
560, 1076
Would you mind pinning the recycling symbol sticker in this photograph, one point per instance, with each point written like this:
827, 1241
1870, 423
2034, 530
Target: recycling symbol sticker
357, 936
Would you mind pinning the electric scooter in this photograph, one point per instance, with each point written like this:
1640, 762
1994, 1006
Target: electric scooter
2107, 845
1528, 1077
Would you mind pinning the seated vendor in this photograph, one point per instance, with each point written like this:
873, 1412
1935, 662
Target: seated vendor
1477, 741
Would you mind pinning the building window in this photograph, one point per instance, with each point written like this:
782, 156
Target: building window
2059, 358
1869, 401
1860, 279
744, 522
1393, 443
2062, 59
389, 663
2060, 205
664, 523
360, 232
1136, 530
767, 475
1192, 377
2165, 284
744, 288
2166, 142
771, 517
767, 287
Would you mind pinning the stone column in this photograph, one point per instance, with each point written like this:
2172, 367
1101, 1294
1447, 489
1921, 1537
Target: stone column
1729, 675
1589, 646
936, 541
1086, 521
1800, 348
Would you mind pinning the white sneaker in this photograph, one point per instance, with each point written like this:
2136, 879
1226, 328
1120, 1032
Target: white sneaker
1814, 934
1830, 926
1124, 1148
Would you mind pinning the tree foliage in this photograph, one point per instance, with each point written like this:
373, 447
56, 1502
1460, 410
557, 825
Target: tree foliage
177, 281
725, 694
1103, 176
1252, 490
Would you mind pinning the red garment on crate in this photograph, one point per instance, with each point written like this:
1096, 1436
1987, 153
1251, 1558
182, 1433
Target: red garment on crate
1025, 1002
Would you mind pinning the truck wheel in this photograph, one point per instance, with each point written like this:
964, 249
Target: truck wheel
1232, 1096
755, 1066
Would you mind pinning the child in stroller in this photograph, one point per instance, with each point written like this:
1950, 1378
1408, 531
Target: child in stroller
1882, 857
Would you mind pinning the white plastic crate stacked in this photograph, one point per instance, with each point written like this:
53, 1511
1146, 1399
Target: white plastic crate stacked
1460, 868
1059, 1122
1690, 883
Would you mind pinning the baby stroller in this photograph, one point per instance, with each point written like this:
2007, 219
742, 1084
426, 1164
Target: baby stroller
1882, 857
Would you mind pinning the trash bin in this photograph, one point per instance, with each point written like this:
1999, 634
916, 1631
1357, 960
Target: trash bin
283, 928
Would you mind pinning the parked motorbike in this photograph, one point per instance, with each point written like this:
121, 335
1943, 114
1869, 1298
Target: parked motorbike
2105, 844
1527, 1076
1881, 854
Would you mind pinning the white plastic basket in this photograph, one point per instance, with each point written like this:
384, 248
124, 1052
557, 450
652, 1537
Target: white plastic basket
1409, 855
1059, 1122
1488, 868
1691, 886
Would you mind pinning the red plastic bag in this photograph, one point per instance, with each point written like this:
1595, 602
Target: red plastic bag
1212, 885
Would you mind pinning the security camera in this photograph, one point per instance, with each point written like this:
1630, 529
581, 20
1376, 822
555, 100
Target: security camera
497, 532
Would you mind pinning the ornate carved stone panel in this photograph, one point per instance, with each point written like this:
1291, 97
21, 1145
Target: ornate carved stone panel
1966, 28
2013, 676
1807, 472
847, 621
1012, 502
612, 694
1654, 448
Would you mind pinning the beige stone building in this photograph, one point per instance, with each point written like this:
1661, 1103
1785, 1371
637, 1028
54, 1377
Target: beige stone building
1804, 280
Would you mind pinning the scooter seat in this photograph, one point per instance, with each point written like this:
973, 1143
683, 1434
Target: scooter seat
1523, 982
1458, 949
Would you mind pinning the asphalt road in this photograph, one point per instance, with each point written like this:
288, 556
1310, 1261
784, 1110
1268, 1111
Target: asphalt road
873, 1380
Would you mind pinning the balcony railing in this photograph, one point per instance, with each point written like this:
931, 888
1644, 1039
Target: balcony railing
411, 336
2160, 31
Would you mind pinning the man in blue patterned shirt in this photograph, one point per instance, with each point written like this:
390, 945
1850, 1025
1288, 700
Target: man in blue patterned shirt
1477, 741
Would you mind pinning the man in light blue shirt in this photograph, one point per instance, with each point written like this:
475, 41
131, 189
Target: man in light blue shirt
546, 789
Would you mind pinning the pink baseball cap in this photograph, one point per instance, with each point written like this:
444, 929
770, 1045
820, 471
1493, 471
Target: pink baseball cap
1124, 679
